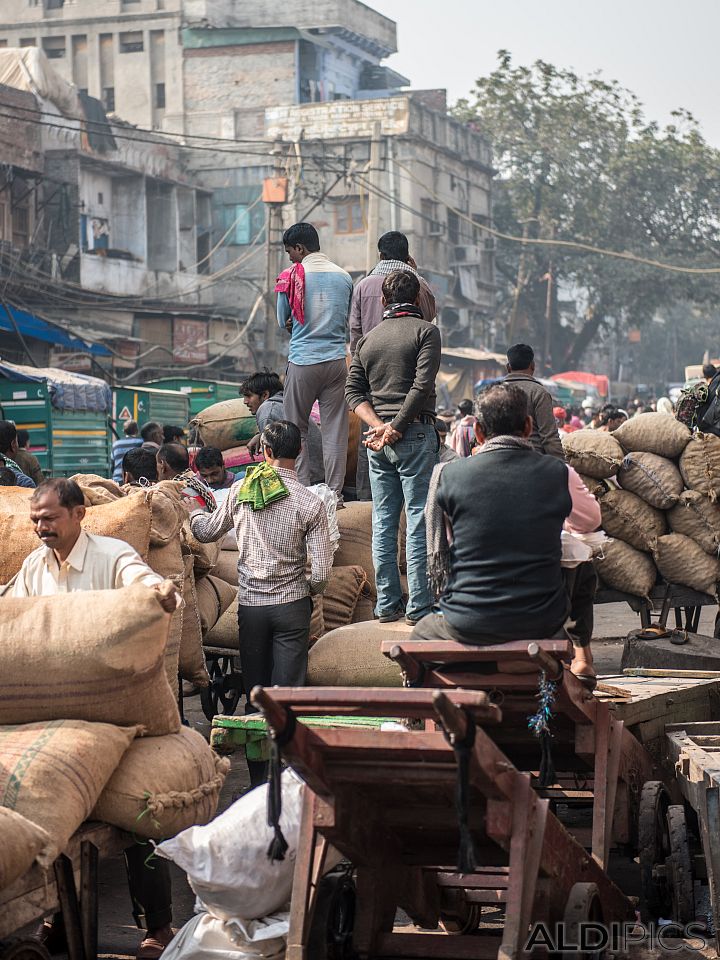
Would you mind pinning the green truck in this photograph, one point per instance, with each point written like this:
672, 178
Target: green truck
65, 414
144, 404
201, 393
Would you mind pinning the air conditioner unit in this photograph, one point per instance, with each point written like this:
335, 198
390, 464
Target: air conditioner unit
468, 255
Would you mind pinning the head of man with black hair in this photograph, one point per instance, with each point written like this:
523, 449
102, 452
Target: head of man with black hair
152, 433
709, 372
23, 438
401, 289
258, 388
300, 240
139, 467
466, 408
281, 443
130, 428
8, 437
173, 434
172, 460
57, 509
210, 465
393, 245
521, 359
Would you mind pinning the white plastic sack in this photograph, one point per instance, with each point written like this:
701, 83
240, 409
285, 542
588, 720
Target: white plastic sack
329, 499
208, 938
226, 861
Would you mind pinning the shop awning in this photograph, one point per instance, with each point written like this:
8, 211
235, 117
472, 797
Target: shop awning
31, 326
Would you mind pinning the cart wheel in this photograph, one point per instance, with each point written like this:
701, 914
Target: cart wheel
332, 927
654, 843
680, 875
223, 693
25, 949
457, 916
583, 905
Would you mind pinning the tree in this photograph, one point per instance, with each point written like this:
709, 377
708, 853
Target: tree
579, 163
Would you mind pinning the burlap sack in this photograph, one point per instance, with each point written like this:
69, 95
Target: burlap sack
654, 479
205, 555
127, 518
225, 424
622, 567
653, 433
167, 561
53, 773
350, 657
696, 517
97, 490
680, 560
23, 844
226, 567
341, 596
96, 655
168, 515
163, 785
594, 453
317, 620
626, 517
365, 608
355, 524
596, 487
225, 633
700, 465
214, 596
192, 659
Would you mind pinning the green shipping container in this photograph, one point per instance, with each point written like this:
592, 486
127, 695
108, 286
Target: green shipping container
166, 407
64, 441
201, 393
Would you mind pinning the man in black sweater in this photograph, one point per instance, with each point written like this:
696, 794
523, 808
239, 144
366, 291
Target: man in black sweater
391, 387
506, 508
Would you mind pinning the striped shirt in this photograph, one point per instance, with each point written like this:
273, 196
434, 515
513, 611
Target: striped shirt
119, 449
273, 544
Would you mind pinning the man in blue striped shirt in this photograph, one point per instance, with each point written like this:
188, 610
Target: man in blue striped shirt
317, 322
128, 442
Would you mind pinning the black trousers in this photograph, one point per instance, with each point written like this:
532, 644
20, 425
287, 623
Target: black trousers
150, 887
581, 584
274, 644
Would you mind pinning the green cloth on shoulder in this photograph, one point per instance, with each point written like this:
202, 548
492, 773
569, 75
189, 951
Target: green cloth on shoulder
261, 487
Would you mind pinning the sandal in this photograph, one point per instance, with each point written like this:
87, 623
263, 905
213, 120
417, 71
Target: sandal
150, 949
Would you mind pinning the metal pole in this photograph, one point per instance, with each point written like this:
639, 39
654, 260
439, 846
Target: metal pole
273, 229
373, 199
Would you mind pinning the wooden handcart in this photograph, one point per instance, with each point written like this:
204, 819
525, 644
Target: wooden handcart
392, 803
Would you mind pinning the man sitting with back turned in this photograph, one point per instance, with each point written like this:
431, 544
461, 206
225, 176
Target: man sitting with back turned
506, 508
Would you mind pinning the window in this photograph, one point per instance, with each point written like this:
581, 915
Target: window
428, 209
242, 224
3, 43
109, 99
131, 42
349, 216
54, 47
453, 226
54, 4
160, 96
28, 42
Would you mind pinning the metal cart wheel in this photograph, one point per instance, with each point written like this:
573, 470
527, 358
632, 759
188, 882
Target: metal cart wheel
334, 919
654, 843
457, 916
223, 693
680, 872
583, 905
24, 949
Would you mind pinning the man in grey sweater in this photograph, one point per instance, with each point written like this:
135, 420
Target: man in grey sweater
521, 373
391, 387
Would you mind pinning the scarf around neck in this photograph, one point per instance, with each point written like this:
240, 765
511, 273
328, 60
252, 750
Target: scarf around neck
402, 310
262, 486
385, 267
505, 442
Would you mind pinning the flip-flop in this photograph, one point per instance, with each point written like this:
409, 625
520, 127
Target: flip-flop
653, 633
150, 949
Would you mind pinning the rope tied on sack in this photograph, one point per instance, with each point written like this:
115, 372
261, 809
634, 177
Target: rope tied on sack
463, 751
539, 723
278, 845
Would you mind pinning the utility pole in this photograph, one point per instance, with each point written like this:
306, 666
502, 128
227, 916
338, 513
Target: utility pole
373, 198
274, 196
519, 285
548, 310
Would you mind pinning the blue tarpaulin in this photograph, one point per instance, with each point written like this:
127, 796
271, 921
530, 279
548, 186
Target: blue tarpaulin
31, 326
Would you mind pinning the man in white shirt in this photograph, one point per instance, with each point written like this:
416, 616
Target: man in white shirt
70, 559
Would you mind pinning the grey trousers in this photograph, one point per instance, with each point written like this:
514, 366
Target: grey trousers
324, 382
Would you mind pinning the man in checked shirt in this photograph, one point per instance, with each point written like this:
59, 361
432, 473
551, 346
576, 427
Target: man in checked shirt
274, 539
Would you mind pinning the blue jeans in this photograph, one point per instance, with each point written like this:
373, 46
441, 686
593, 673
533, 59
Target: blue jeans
400, 475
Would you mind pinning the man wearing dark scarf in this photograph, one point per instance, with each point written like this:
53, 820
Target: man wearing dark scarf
391, 387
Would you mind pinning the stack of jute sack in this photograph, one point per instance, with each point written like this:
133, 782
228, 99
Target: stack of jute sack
153, 521
228, 426
658, 486
89, 726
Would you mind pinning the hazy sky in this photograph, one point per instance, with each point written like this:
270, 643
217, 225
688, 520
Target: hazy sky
666, 51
